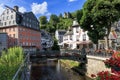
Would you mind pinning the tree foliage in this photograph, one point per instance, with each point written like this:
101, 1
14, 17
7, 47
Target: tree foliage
54, 20
43, 21
55, 45
101, 14
78, 15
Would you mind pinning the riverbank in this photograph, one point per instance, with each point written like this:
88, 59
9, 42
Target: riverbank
73, 66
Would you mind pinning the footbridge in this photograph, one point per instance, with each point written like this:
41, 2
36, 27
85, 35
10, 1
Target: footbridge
64, 54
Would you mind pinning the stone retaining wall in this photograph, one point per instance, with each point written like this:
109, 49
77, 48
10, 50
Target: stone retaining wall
95, 65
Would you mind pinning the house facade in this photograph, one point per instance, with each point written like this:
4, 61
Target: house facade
59, 36
46, 40
76, 38
22, 28
3, 41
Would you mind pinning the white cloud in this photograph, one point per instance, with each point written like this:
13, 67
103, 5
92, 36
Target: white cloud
39, 8
48, 14
72, 0
1, 8
22, 9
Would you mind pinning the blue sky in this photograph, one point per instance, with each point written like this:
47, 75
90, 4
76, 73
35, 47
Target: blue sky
44, 7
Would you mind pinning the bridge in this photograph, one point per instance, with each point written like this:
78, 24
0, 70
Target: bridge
23, 72
69, 54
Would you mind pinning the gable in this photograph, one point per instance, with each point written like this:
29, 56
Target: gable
7, 11
30, 14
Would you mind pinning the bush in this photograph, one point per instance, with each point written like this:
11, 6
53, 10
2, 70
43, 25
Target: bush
10, 62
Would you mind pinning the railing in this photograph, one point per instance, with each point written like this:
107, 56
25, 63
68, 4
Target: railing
92, 53
48, 52
23, 73
100, 54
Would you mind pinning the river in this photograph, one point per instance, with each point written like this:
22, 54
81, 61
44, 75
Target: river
52, 70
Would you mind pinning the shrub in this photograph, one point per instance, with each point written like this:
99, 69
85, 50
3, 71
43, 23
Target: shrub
9, 62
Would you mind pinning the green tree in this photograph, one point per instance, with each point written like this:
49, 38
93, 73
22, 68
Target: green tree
101, 14
79, 14
70, 15
55, 45
60, 16
54, 20
64, 23
50, 28
43, 22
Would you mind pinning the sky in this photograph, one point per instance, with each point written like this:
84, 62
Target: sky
43, 7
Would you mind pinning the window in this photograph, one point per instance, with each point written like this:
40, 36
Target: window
9, 22
14, 35
10, 35
13, 21
7, 17
7, 11
0, 23
84, 37
70, 37
11, 11
1, 31
23, 43
77, 38
13, 29
71, 45
5, 23
3, 18
11, 16
3, 13
30, 25
26, 43
10, 29
77, 30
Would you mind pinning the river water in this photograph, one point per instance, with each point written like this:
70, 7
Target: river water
52, 70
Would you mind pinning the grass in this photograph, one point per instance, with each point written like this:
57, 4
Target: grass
70, 63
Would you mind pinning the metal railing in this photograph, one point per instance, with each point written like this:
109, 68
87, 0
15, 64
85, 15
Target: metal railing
23, 73
92, 53
100, 54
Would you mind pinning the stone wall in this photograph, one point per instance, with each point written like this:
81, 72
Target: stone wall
95, 65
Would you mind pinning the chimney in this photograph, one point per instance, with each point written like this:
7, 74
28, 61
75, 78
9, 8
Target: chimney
16, 8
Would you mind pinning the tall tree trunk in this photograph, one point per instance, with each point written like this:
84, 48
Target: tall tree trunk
107, 42
107, 36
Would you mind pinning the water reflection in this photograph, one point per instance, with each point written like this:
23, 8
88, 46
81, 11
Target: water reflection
52, 70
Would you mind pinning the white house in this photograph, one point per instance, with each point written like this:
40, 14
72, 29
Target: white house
59, 36
76, 38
